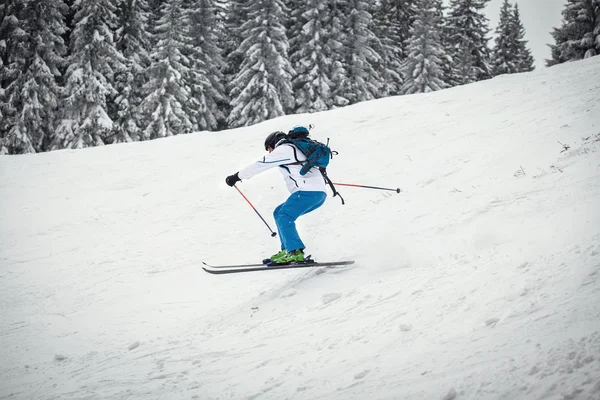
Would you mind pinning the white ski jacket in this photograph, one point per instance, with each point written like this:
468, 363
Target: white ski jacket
284, 154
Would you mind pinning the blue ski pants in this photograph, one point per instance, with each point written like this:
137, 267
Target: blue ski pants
299, 203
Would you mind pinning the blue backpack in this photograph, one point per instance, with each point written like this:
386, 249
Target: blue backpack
317, 154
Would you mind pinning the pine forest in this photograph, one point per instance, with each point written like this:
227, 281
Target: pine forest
82, 73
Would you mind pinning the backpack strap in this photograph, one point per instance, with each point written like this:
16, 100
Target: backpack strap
298, 162
295, 153
330, 183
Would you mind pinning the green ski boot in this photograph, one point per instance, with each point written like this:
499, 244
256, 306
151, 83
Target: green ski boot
274, 257
290, 257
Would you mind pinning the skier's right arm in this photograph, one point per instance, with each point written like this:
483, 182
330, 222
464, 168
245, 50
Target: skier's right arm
281, 155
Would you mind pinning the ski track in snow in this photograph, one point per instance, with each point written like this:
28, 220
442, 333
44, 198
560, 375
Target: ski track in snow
480, 281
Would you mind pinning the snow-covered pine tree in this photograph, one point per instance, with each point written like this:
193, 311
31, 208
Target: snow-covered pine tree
70, 23
392, 22
596, 32
206, 77
312, 60
264, 81
446, 64
468, 29
363, 80
422, 67
168, 93
525, 60
14, 56
556, 53
295, 21
134, 42
504, 55
231, 42
39, 91
339, 73
222, 34
94, 60
579, 35
155, 14
221, 11
12, 37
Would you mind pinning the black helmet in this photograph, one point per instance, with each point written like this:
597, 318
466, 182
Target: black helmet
273, 138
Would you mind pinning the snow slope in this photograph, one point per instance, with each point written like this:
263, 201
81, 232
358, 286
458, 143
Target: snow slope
480, 281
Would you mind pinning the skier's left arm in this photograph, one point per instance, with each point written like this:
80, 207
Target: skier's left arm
281, 155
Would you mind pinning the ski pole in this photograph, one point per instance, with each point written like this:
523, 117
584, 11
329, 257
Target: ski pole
397, 190
273, 234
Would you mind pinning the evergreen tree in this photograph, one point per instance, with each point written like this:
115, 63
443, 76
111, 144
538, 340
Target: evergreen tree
221, 15
556, 54
525, 60
166, 106
446, 62
220, 10
295, 21
468, 29
70, 24
363, 80
423, 67
264, 81
504, 56
12, 39
231, 46
579, 35
33, 50
94, 60
14, 56
133, 41
339, 71
222, 41
446, 58
39, 91
392, 22
208, 91
596, 32
312, 60
155, 8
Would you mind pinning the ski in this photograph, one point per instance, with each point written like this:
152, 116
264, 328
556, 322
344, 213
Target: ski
232, 266
232, 269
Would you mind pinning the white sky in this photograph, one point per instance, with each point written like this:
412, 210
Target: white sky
479, 281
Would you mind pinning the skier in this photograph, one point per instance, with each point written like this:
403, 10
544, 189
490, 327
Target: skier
307, 191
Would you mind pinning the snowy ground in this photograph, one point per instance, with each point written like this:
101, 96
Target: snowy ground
480, 281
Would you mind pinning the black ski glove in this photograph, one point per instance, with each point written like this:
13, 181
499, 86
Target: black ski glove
232, 179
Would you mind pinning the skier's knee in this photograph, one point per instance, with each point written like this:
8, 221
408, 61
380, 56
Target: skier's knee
285, 218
